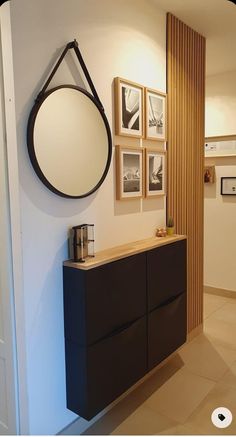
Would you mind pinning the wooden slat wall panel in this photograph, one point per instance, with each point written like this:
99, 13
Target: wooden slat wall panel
186, 102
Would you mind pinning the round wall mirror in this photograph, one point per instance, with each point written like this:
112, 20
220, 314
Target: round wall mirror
69, 141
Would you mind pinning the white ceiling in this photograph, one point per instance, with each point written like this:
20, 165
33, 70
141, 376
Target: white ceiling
214, 19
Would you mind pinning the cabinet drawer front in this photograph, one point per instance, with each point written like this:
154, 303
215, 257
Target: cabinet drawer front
110, 367
167, 330
115, 364
166, 273
115, 296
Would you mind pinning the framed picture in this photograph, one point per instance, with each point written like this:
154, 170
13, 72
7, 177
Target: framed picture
228, 186
155, 174
129, 102
209, 174
155, 115
129, 172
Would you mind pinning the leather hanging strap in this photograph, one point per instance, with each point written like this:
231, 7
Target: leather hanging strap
71, 45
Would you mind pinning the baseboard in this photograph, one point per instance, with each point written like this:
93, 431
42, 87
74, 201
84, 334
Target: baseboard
220, 292
195, 332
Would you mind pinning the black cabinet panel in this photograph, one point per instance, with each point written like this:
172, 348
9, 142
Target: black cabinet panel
103, 299
116, 295
121, 320
74, 296
109, 367
166, 273
167, 327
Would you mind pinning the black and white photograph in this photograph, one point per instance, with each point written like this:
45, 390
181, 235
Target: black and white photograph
155, 173
155, 115
228, 186
129, 108
129, 172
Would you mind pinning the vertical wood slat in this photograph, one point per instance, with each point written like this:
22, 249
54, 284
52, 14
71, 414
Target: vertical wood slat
186, 101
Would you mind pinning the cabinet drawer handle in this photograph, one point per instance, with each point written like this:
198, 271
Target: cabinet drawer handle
168, 301
115, 332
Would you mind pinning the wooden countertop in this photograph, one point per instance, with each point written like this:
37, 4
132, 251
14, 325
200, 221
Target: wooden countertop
119, 252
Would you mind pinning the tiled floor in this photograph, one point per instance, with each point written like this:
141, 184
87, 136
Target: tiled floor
179, 398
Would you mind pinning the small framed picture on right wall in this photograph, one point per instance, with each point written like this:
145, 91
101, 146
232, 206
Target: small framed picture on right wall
228, 186
209, 174
155, 103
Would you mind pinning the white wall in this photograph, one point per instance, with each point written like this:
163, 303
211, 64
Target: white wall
220, 211
221, 104
127, 39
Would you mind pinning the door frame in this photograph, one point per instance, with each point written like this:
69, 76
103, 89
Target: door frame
12, 249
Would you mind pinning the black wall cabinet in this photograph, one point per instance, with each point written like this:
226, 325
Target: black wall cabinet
121, 320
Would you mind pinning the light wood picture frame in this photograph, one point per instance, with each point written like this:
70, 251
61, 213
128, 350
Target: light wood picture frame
155, 172
129, 108
155, 115
129, 172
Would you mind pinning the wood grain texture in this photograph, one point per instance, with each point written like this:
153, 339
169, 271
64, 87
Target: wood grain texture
186, 103
116, 253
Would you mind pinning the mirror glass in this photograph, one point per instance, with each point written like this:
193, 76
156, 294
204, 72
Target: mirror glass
69, 141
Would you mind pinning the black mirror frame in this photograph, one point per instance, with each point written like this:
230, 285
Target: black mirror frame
30, 141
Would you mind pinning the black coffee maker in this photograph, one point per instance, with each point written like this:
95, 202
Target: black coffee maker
82, 242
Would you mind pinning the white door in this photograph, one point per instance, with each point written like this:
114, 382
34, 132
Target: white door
8, 379
8, 415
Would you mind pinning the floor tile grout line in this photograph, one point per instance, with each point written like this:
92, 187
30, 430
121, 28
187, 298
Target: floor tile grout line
194, 374
213, 340
186, 420
228, 370
207, 317
201, 376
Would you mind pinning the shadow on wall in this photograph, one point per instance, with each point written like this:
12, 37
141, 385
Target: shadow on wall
210, 191
46, 345
229, 199
154, 204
